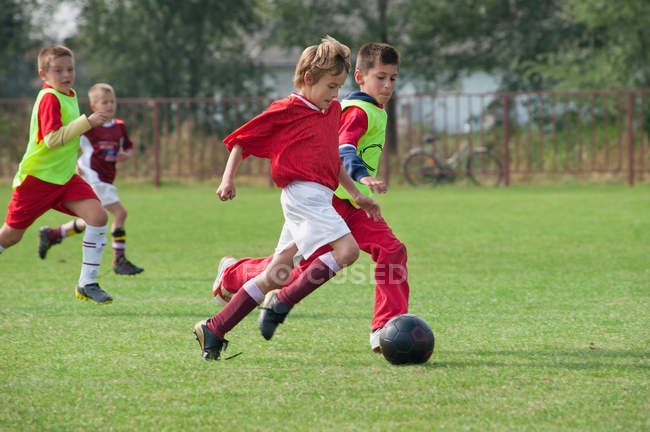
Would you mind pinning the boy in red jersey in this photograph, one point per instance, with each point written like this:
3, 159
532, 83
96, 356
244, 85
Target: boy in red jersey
46, 177
102, 147
299, 135
361, 141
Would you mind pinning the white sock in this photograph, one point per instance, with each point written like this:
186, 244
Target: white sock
92, 249
1, 248
254, 291
328, 259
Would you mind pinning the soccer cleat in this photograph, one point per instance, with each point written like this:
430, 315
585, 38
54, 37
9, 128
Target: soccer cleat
375, 337
220, 294
44, 242
93, 292
125, 267
272, 314
210, 343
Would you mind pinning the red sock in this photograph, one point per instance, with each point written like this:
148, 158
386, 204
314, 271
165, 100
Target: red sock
54, 234
235, 310
314, 276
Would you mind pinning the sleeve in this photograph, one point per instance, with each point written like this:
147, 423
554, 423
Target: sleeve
49, 115
256, 136
126, 143
354, 123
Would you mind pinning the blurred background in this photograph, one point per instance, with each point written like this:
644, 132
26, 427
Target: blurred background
557, 86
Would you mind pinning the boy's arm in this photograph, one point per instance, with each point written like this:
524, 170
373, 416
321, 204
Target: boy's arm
366, 203
123, 155
75, 128
354, 124
126, 146
226, 189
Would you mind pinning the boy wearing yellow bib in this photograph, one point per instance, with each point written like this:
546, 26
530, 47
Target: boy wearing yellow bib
46, 177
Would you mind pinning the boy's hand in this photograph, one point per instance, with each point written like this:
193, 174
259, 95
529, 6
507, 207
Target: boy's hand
375, 185
121, 156
98, 118
369, 206
226, 190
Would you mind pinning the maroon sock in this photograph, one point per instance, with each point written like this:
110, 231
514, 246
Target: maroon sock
314, 276
233, 312
54, 234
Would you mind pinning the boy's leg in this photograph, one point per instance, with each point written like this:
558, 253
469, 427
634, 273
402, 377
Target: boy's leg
344, 252
9, 236
389, 254
48, 237
93, 245
121, 265
211, 333
232, 277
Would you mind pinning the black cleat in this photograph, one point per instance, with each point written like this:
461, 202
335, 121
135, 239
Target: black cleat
210, 343
125, 267
44, 242
272, 314
93, 292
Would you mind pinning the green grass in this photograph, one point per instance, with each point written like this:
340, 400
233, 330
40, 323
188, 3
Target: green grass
538, 297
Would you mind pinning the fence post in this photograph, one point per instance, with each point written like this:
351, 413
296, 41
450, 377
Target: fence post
156, 144
506, 139
630, 137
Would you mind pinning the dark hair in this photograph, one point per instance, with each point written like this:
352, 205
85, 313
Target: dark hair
374, 52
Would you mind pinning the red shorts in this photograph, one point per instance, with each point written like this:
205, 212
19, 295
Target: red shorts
34, 197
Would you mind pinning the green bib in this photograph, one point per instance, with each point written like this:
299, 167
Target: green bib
53, 165
370, 145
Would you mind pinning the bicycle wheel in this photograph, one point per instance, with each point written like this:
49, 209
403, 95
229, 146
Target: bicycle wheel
422, 168
483, 168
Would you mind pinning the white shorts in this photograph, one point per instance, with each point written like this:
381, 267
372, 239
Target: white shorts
310, 221
106, 192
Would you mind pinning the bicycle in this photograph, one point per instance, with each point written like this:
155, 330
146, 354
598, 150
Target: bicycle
423, 168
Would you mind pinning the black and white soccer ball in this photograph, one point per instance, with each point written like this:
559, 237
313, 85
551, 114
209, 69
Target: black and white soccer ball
407, 339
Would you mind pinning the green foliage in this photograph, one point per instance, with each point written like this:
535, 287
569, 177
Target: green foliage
166, 48
18, 49
610, 51
538, 298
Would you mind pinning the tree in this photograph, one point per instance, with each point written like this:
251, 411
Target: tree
167, 48
18, 48
610, 50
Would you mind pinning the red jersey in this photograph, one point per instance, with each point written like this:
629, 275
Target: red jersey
100, 146
300, 139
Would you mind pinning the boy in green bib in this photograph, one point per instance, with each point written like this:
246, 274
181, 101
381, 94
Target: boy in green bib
46, 177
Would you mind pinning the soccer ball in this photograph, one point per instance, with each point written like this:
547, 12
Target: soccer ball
405, 339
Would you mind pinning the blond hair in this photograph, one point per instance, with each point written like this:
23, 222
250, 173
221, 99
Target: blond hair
374, 52
330, 56
47, 54
98, 90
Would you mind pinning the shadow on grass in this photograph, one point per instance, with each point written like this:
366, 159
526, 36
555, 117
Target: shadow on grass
578, 359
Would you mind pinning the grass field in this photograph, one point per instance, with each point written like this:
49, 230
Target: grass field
539, 298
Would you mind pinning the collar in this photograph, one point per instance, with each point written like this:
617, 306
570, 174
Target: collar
110, 123
46, 86
359, 95
306, 102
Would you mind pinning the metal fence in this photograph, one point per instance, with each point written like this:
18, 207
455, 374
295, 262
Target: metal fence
577, 133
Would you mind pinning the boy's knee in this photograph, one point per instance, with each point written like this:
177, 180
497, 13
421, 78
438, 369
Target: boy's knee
99, 219
9, 236
349, 255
